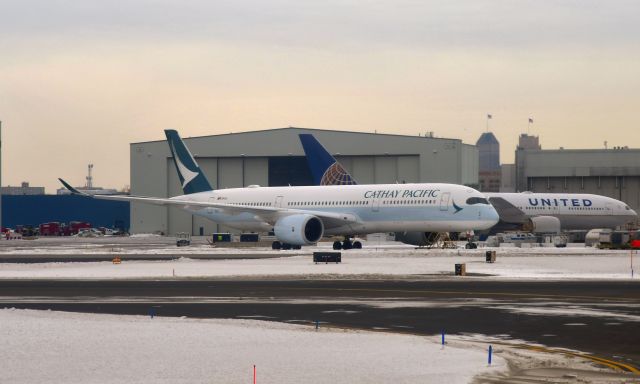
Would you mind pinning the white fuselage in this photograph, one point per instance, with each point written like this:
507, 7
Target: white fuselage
575, 211
377, 208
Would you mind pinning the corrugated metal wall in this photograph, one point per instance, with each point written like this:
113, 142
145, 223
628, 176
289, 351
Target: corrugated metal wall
38, 209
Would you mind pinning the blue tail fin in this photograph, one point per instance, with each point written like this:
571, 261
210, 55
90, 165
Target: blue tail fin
190, 174
324, 167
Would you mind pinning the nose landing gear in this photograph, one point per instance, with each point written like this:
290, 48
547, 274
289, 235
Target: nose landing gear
347, 244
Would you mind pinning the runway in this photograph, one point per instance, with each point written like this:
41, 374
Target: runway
598, 317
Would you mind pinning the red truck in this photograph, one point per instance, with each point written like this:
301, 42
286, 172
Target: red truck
50, 229
75, 227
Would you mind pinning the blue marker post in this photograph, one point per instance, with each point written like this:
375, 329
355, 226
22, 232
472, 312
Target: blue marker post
317, 324
443, 337
490, 352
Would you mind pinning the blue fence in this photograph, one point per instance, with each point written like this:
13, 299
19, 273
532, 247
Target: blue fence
35, 210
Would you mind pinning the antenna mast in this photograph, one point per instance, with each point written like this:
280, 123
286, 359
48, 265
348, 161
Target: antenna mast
89, 177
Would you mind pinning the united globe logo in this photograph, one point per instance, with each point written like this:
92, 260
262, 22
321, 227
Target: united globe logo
336, 175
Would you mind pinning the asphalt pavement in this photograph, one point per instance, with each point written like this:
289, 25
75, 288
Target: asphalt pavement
598, 317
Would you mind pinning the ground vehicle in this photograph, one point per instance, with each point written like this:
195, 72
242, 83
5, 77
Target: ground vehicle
183, 239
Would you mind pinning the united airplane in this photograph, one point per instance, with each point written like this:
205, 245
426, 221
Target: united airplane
303, 215
536, 212
553, 212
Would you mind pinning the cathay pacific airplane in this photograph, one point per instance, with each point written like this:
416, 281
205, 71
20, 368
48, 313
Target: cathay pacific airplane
303, 215
535, 212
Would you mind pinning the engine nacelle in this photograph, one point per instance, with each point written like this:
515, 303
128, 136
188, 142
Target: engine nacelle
421, 239
299, 229
543, 224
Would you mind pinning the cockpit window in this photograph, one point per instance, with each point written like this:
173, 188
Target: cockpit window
627, 208
477, 200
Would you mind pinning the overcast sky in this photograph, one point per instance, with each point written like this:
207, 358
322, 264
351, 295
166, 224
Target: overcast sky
80, 80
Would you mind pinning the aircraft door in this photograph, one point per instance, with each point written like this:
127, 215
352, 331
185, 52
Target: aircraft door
209, 210
375, 205
444, 201
278, 203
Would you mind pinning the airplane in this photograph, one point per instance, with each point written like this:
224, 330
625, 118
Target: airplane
534, 212
303, 215
553, 212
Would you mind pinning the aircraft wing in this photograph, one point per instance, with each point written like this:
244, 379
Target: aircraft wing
508, 212
266, 214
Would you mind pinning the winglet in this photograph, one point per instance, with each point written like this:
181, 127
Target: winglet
71, 189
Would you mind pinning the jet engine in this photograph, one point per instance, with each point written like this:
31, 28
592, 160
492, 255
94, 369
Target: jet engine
299, 229
421, 239
543, 224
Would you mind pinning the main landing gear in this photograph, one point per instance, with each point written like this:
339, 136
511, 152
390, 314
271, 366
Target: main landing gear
347, 244
276, 245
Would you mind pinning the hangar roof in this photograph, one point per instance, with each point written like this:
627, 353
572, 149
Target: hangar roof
307, 129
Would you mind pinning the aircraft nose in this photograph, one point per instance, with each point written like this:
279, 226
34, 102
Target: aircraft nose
492, 215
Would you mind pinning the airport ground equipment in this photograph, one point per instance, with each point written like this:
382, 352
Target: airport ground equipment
221, 238
327, 257
183, 239
277, 245
471, 245
10, 235
490, 256
249, 238
461, 269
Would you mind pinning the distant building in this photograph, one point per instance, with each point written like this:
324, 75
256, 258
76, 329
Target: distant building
529, 142
23, 189
613, 172
489, 174
508, 178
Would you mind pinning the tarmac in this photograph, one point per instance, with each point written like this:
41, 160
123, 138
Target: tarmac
600, 318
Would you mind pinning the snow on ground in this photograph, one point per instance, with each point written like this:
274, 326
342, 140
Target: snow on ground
377, 259
59, 347
354, 264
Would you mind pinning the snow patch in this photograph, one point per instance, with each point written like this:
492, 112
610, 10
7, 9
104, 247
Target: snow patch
90, 348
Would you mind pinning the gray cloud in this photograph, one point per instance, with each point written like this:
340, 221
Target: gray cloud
333, 24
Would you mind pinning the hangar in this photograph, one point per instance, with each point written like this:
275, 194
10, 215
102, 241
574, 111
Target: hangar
274, 157
612, 172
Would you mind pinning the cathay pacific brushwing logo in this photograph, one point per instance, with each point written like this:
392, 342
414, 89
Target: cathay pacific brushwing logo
455, 206
187, 174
